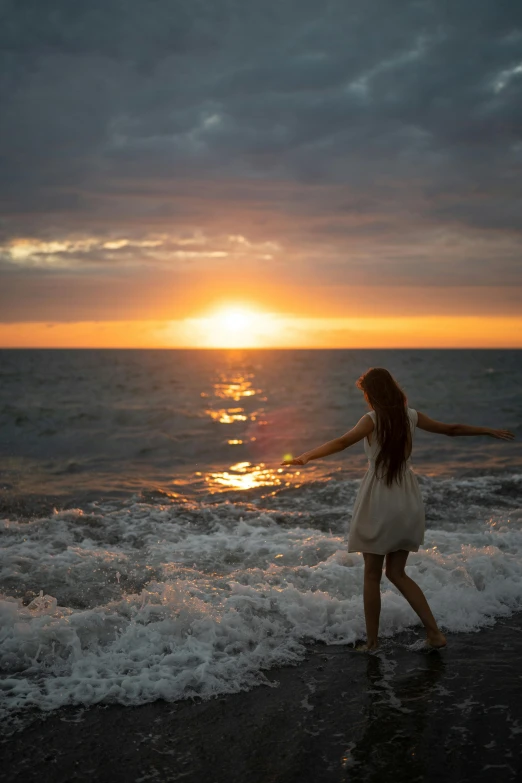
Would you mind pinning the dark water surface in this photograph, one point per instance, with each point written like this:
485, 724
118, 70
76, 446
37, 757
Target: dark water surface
113, 420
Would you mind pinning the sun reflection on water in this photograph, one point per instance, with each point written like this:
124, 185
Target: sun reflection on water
227, 415
235, 388
245, 475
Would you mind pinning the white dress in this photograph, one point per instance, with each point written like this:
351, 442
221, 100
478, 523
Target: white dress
384, 518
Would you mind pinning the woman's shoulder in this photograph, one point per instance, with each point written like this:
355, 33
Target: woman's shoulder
412, 413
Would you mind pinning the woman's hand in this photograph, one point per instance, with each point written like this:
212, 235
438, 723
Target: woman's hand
501, 434
302, 460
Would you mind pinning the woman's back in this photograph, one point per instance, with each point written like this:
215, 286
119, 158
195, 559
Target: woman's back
371, 443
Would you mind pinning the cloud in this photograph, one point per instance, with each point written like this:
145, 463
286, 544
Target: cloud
368, 141
160, 250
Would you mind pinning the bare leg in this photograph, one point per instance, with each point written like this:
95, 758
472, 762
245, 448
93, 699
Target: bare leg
372, 598
395, 562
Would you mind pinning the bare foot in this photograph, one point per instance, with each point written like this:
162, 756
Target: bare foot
368, 647
436, 640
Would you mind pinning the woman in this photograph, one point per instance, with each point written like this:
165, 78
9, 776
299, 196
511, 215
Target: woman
388, 514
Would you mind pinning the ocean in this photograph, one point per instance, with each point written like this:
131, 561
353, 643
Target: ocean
153, 547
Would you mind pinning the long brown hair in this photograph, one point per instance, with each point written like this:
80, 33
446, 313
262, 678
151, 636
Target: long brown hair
384, 395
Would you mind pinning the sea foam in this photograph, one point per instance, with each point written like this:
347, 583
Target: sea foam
138, 602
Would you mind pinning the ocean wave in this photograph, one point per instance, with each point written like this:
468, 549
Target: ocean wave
174, 598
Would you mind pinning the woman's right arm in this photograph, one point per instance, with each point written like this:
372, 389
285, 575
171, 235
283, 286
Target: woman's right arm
431, 425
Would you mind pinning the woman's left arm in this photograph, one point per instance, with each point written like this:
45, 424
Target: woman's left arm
363, 428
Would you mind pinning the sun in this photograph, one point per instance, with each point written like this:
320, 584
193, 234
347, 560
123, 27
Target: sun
233, 326
234, 318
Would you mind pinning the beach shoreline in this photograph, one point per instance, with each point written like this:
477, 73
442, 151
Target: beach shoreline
338, 715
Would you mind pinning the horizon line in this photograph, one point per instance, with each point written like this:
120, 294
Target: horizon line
259, 348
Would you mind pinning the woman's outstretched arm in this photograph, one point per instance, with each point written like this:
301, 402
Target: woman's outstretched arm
363, 428
453, 430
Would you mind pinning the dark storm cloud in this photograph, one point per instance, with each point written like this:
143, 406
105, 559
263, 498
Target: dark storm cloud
357, 132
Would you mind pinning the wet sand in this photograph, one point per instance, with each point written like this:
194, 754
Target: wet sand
338, 716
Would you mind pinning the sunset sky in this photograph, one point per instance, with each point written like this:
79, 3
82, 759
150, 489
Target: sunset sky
289, 173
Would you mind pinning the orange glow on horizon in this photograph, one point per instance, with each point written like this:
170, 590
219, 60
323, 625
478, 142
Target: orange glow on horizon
269, 330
